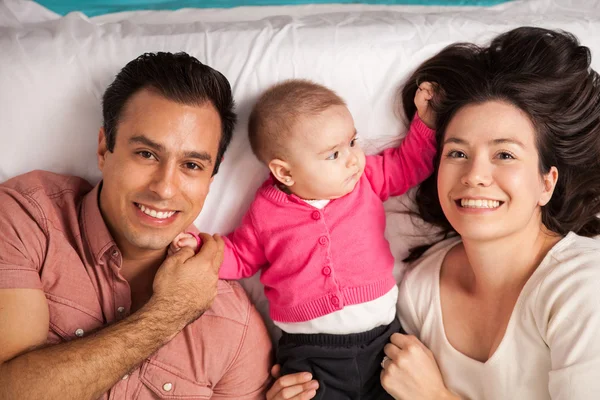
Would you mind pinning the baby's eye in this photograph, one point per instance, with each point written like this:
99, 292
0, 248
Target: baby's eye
334, 156
353, 142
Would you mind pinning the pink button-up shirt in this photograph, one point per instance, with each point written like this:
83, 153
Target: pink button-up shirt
54, 239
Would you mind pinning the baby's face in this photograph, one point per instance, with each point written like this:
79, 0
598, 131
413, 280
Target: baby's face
325, 158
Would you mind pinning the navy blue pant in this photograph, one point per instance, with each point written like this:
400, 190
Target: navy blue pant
347, 367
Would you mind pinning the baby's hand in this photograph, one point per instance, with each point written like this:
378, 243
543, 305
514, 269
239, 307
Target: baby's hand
425, 93
184, 239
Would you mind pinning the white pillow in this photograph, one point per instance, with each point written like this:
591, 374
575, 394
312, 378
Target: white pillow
53, 72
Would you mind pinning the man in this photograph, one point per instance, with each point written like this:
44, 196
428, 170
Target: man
90, 305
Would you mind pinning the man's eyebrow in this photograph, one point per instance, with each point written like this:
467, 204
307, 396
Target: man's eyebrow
202, 155
141, 139
198, 155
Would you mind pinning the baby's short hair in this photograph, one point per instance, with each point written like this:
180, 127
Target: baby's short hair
278, 110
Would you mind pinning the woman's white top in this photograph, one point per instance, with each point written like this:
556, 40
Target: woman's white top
551, 348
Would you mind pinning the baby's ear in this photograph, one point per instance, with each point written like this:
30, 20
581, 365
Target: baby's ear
281, 171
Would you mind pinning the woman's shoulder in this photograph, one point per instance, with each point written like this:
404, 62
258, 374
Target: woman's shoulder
573, 257
570, 272
565, 305
576, 248
419, 290
427, 267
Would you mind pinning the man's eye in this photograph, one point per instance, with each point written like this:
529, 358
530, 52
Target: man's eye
146, 154
193, 166
334, 156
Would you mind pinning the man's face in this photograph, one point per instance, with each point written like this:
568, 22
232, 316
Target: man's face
158, 175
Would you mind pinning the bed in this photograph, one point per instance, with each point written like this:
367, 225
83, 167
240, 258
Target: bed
54, 69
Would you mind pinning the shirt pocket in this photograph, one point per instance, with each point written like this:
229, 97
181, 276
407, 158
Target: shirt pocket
161, 382
69, 320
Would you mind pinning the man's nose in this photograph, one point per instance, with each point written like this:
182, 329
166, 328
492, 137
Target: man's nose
164, 181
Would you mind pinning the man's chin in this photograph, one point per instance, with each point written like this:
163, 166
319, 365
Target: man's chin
151, 242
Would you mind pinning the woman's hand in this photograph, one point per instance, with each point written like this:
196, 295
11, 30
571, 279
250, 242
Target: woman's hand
425, 93
411, 372
298, 386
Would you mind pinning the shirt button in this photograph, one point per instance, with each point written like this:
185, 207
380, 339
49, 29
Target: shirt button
323, 240
125, 377
121, 309
115, 253
326, 271
316, 215
79, 332
335, 301
167, 387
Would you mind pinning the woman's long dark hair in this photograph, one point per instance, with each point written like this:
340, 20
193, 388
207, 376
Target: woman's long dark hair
547, 75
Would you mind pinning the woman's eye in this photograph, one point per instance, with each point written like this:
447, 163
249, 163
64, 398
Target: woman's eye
505, 156
334, 156
456, 154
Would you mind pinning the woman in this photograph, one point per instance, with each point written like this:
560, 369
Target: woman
509, 305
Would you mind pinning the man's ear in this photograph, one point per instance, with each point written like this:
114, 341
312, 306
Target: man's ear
102, 148
550, 179
281, 171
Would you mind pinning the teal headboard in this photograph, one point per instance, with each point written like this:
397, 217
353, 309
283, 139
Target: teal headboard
98, 7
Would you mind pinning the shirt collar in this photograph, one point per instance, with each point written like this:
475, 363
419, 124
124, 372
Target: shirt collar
94, 228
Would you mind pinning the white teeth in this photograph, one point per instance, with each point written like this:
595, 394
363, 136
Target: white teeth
154, 213
471, 203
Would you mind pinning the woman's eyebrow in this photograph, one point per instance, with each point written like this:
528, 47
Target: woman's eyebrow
493, 141
455, 140
509, 141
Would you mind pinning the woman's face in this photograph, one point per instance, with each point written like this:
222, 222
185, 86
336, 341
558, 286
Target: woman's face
489, 184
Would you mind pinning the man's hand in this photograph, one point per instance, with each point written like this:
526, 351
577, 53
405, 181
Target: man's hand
186, 283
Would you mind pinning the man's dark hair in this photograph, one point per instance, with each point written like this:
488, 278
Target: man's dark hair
178, 77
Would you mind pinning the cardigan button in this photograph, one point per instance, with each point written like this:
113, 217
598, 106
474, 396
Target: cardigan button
335, 301
326, 271
323, 240
316, 215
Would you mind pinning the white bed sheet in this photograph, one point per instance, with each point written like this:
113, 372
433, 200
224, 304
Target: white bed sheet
53, 71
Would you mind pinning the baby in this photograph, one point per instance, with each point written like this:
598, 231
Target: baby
315, 230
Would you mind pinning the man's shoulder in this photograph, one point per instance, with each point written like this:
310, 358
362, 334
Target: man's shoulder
46, 183
39, 196
231, 303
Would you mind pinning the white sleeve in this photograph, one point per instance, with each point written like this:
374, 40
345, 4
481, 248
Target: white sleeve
571, 322
407, 313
